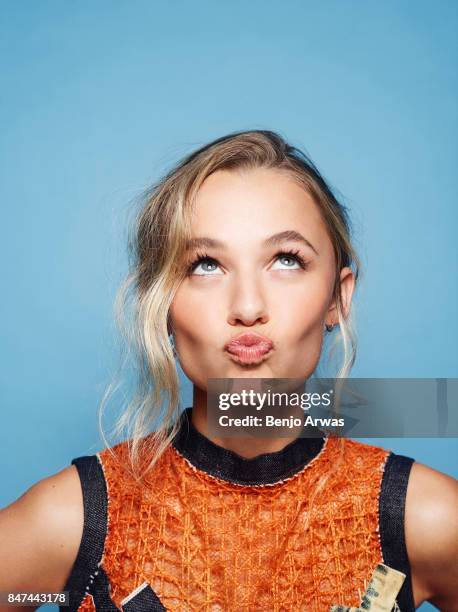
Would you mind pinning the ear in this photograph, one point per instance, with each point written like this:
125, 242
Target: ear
347, 286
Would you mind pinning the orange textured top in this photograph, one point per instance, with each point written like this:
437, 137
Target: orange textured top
203, 542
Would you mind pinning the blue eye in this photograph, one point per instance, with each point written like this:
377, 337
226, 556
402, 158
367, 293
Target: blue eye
292, 261
203, 265
208, 264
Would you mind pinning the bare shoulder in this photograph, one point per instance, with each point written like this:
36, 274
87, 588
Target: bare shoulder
431, 527
40, 533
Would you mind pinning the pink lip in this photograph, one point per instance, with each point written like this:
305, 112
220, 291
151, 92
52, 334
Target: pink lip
249, 348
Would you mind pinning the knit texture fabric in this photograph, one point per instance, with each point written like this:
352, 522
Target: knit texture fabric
207, 544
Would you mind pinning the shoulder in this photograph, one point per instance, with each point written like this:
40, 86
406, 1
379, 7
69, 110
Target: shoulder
41, 533
419, 529
431, 527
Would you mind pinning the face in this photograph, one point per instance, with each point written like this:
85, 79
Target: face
266, 267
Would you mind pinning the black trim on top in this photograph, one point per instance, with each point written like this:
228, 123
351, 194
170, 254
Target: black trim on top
101, 592
392, 526
145, 600
92, 543
220, 462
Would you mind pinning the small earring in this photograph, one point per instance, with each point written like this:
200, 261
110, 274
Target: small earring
329, 328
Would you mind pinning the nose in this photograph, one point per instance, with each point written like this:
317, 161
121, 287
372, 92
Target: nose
247, 304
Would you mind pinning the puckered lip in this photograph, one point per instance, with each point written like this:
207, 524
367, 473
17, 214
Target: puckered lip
249, 339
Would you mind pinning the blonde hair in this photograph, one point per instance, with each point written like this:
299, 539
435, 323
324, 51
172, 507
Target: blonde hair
158, 244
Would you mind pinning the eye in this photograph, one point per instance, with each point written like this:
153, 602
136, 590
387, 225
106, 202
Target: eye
203, 266
290, 260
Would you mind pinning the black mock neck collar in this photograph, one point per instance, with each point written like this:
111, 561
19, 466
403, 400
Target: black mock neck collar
225, 464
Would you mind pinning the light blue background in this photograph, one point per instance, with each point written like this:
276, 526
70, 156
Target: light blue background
99, 98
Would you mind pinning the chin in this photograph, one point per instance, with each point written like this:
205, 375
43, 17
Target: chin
259, 370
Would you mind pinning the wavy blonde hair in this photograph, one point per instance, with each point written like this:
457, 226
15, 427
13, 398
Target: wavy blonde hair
158, 247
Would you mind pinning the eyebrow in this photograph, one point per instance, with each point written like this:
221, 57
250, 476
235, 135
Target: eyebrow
275, 239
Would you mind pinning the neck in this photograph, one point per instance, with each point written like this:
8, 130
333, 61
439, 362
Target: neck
247, 447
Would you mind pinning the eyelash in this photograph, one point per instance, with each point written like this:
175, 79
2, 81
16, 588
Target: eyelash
200, 257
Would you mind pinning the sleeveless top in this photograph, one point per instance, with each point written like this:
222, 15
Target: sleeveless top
300, 529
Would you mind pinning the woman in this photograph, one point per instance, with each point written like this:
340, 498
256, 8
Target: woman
243, 262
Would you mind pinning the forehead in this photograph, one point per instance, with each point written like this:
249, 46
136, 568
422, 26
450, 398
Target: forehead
245, 206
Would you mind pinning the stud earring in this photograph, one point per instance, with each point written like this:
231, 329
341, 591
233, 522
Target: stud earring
329, 328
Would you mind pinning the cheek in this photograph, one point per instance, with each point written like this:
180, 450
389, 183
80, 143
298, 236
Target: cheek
197, 329
192, 318
302, 309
